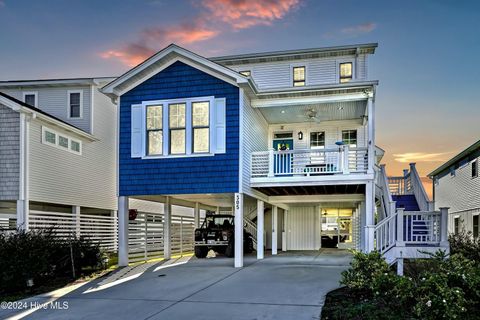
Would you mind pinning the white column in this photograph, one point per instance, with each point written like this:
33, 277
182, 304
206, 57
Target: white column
260, 227
238, 207
167, 223
274, 230
76, 213
122, 231
345, 158
371, 134
369, 215
196, 214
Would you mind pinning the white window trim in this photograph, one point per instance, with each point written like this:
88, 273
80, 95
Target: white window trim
352, 61
57, 145
295, 65
68, 103
188, 127
35, 93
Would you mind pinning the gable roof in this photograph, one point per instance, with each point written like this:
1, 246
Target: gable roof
19, 105
162, 60
456, 159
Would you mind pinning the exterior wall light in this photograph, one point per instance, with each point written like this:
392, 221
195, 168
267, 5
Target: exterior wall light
300, 135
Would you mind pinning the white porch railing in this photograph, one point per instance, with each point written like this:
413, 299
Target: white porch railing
411, 228
423, 201
308, 162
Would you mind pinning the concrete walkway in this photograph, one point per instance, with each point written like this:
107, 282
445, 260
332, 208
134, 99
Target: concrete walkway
287, 286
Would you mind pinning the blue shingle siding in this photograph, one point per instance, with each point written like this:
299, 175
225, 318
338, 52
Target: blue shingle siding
213, 174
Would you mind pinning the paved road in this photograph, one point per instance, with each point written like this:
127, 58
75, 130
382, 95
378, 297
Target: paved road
287, 286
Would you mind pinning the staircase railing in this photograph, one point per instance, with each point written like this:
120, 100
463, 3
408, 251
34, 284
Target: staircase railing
421, 196
411, 228
251, 228
386, 234
388, 203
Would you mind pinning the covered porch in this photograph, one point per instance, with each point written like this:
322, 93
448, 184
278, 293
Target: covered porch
319, 135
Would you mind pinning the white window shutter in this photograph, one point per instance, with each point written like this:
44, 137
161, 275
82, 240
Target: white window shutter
220, 127
137, 131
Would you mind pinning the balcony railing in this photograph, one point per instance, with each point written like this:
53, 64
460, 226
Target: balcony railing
310, 162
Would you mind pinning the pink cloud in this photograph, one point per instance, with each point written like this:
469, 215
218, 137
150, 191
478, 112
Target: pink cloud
232, 14
153, 39
359, 29
242, 14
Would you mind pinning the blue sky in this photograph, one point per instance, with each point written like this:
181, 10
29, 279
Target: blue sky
427, 102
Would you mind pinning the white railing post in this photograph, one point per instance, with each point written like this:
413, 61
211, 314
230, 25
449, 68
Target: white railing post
444, 225
371, 135
167, 227
345, 163
181, 236
114, 215
76, 213
145, 230
122, 231
271, 161
400, 227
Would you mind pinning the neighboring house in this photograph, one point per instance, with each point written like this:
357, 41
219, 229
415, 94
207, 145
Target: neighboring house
61, 148
456, 185
285, 140
58, 157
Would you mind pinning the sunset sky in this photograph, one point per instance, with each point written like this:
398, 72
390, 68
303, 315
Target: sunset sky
428, 105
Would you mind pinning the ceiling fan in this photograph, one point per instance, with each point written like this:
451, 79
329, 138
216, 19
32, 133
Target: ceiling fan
310, 115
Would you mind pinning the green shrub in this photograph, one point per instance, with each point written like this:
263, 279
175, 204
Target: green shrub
40, 256
465, 244
441, 287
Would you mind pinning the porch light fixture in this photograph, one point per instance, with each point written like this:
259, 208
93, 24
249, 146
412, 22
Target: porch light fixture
300, 135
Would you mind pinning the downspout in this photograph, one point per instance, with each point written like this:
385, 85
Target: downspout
23, 207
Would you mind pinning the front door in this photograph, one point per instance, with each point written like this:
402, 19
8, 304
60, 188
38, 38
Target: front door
282, 162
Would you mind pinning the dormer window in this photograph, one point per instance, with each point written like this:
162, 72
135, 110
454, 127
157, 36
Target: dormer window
246, 73
75, 101
346, 72
298, 76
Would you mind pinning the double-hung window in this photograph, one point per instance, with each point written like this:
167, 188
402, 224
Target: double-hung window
201, 126
75, 100
179, 127
475, 226
475, 169
155, 130
177, 120
349, 137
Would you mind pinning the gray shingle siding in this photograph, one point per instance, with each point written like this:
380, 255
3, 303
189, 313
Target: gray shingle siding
9, 153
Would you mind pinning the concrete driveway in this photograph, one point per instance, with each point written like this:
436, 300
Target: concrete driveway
287, 286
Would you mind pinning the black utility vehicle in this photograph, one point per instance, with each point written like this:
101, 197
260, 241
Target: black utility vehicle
217, 233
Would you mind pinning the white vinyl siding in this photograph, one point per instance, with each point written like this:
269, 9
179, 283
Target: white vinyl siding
87, 180
54, 101
255, 135
461, 194
319, 71
303, 230
333, 132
